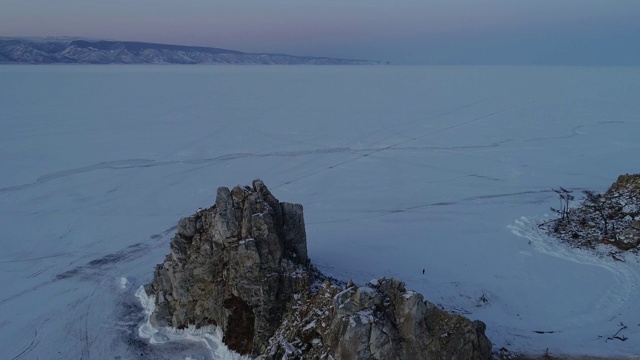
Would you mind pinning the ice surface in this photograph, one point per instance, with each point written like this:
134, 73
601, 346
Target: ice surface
399, 169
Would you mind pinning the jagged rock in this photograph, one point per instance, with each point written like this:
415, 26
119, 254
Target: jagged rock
380, 321
237, 270
243, 265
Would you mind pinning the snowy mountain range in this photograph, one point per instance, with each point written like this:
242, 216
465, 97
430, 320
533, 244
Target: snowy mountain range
82, 51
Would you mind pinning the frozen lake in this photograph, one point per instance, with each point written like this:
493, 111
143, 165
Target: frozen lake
399, 169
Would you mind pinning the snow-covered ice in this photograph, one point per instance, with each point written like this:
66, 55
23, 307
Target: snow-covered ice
399, 169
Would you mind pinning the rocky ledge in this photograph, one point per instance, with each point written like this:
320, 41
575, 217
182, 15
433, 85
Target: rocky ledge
242, 265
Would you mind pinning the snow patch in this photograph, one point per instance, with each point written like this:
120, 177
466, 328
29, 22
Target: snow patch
408, 294
309, 326
365, 316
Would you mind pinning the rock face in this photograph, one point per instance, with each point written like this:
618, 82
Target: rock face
235, 265
242, 265
381, 320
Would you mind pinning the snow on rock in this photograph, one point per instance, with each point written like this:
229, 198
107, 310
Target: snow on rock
611, 218
388, 325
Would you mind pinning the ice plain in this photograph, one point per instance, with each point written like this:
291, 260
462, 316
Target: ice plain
399, 169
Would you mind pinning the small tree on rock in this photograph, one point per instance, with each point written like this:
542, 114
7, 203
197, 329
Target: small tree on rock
565, 198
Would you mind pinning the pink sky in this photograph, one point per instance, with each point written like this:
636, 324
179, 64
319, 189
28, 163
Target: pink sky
403, 31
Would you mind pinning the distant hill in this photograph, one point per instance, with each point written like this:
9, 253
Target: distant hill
81, 51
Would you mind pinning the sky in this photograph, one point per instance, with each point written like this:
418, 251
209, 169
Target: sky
518, 32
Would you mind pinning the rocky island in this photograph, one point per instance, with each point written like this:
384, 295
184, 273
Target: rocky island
242, 265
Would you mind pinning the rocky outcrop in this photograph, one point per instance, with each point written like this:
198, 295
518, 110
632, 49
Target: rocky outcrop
381, 320
242, 265
611, 218
236, 265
